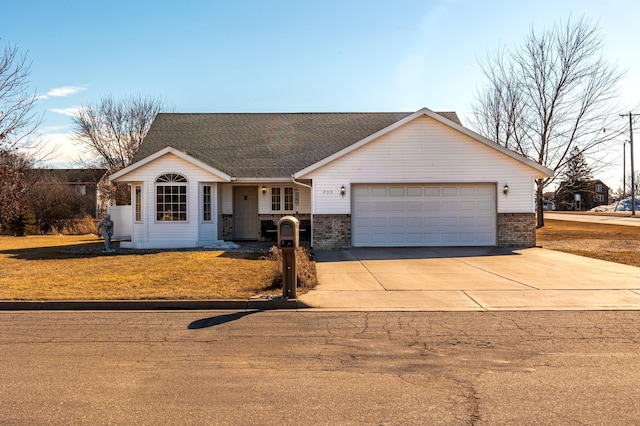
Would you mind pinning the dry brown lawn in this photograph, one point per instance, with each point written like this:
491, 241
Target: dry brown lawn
74, 268
615, 243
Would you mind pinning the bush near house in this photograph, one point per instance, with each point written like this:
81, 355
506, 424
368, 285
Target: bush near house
305, 268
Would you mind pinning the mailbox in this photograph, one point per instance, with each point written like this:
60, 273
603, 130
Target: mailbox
288, 240
288, 232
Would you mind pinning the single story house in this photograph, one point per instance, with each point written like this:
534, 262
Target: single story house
352, 179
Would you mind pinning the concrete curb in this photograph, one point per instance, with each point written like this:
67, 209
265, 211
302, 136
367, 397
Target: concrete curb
148, 305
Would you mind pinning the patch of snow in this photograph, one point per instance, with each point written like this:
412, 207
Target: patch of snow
618, 206
224, 245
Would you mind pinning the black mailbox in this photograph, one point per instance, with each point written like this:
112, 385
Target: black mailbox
288, 232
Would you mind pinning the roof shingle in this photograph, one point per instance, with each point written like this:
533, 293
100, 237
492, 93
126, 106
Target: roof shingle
264, 145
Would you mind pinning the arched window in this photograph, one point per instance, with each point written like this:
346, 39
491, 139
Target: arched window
171, 197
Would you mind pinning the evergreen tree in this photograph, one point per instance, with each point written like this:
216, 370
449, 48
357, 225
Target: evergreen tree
577, 173
576, 178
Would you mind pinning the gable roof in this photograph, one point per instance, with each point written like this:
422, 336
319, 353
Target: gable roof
443, 118
265, 145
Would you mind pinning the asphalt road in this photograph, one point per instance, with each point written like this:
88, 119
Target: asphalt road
288, 367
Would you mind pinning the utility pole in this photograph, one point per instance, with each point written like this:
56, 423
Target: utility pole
624, 169
633, 182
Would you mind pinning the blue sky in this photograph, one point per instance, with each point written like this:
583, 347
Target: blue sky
290, 56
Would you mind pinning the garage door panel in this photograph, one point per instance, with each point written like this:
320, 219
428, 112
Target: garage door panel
378, 191
414, 206
414, 222
414, 191
431, 192
452, 206
361, 192
424, 215
467, 191
486, 191
396, 191
432, 206
378, 206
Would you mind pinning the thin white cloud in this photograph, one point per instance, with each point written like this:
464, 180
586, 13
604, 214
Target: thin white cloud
65, 149
71, 112
64, 91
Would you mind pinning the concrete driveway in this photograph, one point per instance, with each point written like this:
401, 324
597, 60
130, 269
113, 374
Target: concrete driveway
470, 279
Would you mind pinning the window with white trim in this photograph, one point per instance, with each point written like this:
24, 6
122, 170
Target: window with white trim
206, 203
138, 203
275, 199
171, 198
282, 199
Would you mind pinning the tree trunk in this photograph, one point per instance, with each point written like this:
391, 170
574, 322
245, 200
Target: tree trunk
540, 208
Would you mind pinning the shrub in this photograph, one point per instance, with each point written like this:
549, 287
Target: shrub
79, 226
305, 268
23, 225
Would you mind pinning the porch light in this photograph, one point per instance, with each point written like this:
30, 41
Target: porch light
505, 189
342, 191
264, 190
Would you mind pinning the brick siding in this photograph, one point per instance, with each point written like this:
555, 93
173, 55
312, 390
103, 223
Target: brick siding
516, 230
227, 227
331, 231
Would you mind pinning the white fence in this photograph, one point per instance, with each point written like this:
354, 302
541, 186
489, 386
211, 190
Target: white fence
121, 217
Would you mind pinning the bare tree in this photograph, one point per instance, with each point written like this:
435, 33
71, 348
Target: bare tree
18, 119
549, 95
112, 131
53, 201
13, 186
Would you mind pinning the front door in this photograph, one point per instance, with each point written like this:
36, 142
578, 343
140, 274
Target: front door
245, 212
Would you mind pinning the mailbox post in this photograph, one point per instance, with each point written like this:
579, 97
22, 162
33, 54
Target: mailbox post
288, 241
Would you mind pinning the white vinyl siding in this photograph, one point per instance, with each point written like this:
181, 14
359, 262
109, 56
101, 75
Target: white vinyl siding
427, 151
424, 215
189, 233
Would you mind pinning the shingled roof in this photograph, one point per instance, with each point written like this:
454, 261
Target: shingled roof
264, 145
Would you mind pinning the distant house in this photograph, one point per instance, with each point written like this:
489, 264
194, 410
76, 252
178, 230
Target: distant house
594, 193
352, 179
83, 182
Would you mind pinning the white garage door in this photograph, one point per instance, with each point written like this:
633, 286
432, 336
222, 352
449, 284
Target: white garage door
424, 215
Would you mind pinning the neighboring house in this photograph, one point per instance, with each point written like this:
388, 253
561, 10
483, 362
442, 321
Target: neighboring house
594, 193
84, 182
352, 179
